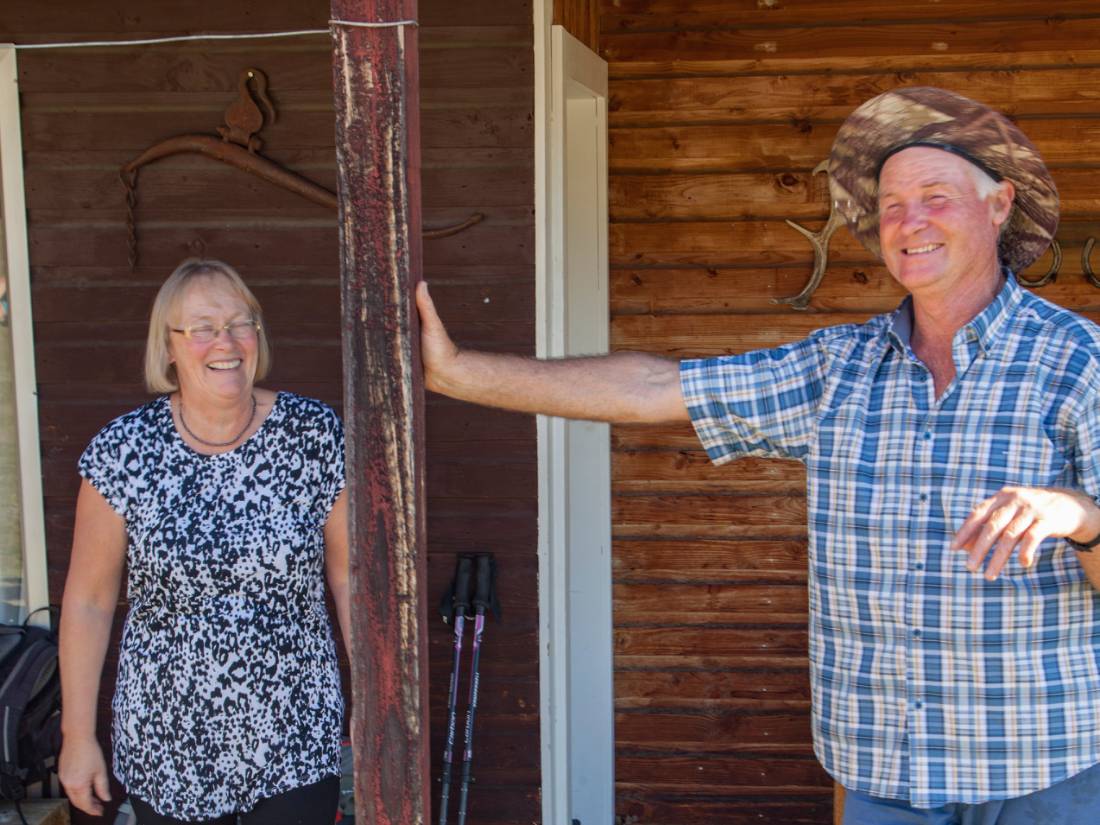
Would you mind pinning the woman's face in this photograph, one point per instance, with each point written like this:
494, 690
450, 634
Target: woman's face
222, 369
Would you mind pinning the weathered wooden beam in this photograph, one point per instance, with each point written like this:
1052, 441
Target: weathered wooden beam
375, 71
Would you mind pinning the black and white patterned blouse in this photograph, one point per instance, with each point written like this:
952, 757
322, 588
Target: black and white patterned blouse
228, 688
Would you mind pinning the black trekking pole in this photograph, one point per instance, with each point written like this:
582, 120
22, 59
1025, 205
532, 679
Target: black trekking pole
456, 607
484, 597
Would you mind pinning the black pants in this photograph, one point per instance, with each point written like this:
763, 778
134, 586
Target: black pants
309, 805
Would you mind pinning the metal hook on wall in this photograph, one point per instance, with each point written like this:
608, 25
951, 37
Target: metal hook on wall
820, 242
1052, 271
238, 146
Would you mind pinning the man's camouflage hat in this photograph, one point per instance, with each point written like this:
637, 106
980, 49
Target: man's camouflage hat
922, 116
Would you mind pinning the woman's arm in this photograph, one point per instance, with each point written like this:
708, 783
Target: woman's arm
336, 563
87, 611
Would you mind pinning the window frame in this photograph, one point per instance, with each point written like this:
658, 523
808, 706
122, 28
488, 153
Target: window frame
14, 216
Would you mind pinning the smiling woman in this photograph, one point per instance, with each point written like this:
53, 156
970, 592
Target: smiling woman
224, 502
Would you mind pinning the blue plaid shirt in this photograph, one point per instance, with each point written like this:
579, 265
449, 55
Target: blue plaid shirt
931, 684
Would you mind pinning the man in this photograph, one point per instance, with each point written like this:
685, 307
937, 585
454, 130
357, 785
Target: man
952, 450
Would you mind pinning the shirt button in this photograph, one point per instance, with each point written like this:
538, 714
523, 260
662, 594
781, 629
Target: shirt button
918, 566
924, 496
918, 704
916, 633
927, 436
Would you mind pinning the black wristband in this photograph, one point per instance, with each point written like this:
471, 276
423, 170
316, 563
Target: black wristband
1085, 547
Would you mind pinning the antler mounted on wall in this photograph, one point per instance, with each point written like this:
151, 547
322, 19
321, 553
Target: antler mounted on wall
239, 146
820, 242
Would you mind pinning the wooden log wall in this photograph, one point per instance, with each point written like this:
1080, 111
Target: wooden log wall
720, 109
581, 18
85, 112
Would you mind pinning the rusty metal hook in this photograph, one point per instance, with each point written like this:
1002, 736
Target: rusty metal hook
1052, 271
1086, 265
820, 242
238, 147
453, 229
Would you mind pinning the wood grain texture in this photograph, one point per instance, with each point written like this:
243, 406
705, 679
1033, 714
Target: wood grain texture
719, 111
377, 101
797, 144
581, 18
1020, 93
619, 16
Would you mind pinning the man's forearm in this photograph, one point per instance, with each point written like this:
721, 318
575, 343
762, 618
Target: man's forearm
626, 387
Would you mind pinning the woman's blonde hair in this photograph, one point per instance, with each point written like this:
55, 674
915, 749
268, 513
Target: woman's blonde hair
160, 373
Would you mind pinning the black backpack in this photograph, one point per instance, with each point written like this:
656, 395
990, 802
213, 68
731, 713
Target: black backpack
30, 712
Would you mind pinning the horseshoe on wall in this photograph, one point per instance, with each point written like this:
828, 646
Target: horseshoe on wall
1086, 263
1055, 265
820, 242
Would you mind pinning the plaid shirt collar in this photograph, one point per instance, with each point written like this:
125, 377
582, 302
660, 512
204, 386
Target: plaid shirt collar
980, 334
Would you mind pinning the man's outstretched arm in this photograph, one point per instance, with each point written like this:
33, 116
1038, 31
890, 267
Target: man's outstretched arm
624, 387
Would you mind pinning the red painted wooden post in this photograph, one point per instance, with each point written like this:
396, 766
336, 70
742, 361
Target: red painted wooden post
376, 89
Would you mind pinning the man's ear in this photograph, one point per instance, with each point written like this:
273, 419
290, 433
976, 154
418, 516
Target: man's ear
1001, 203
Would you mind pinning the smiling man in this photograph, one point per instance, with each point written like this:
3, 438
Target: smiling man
952, 450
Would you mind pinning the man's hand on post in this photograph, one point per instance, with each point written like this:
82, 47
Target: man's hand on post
1017, 520
437, 350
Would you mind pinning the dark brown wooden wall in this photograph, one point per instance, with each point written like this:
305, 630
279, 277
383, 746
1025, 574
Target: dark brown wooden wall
720, 109
87, 111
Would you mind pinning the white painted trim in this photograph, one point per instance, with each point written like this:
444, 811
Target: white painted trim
553, 722
35, 582
575, 663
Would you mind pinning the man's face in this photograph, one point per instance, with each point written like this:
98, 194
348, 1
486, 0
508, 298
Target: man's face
936, 234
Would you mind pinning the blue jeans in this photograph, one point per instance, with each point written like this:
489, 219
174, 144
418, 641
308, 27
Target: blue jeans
1074, 801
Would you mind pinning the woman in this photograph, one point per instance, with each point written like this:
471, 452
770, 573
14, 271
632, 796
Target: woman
225, 503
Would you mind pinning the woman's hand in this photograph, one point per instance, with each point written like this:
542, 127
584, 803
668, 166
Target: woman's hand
83, 773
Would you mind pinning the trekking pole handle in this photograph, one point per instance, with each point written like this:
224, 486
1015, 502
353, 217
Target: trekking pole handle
483, 593
462, 585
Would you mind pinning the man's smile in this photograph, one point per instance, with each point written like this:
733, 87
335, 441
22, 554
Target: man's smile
922, 250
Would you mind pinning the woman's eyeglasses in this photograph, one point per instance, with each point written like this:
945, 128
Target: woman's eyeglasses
205, 333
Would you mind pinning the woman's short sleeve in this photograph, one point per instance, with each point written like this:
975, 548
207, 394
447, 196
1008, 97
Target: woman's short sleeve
103, 463
330, 453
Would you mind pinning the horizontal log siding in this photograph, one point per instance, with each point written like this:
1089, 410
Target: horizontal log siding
720, 109
85, 112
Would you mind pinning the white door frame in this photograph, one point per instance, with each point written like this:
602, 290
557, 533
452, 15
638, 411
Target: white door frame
575, 633
14, 216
